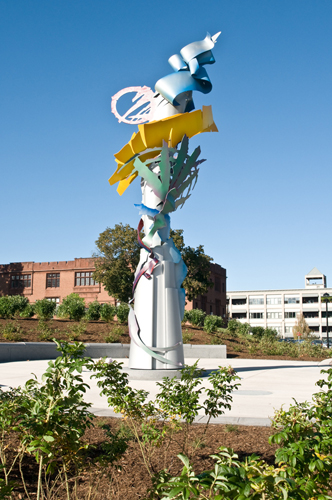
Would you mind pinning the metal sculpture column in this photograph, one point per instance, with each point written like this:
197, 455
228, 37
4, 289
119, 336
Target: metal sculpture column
158, 153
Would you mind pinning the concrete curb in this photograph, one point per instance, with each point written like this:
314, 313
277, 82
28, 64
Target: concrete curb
200, 419
24, 351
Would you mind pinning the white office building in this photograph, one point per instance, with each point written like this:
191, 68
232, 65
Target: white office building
279, 309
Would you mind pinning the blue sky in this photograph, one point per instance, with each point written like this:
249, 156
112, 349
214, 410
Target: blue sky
261, 207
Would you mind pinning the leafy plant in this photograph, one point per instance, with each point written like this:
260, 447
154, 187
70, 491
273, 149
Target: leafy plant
154, 423
230, 479
305, 435
75, 331
196, 317
72, 307
45, 330
93, 312
28, 311
122, 312
12, 331
187, 336
211, 323
114, 335
12, 305
107, 312
45, 309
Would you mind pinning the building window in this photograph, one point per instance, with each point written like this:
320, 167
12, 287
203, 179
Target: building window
239, 315
218, 307
223, 288
256, 300
256, 315
273, 300
274, 315
277, 328
84, 279
52, 280
203, 303
217, 284
324, 314
239, 302
21, 281
310, 314
290, 315
309, 300
211, 312
292, 299
289, 330
54, 299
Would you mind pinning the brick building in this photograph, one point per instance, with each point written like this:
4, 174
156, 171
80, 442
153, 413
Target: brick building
56, 280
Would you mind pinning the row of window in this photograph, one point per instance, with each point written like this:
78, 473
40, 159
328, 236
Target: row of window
52, 280
274, 300
278, 315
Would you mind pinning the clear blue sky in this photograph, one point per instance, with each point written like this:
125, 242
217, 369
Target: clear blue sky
262, 205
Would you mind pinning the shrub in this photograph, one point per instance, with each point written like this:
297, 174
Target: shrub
45, 309
257, 331
72, 307
187, 336
28, 311
211, 323
186, 317
196, 317
12, 331
233, 326
114, 335
76, 330
122, 312
93, 312
12, 305
45, 332
107, 312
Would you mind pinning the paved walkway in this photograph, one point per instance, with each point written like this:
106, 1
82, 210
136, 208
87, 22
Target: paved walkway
265, 385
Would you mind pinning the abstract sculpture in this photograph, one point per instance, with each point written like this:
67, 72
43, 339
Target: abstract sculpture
158, 153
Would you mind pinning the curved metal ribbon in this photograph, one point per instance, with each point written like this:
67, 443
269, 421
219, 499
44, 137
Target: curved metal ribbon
189, 74
134, 328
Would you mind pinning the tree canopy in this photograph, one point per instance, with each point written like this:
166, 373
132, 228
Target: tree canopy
118, 257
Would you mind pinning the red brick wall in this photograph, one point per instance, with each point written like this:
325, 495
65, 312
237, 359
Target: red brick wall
214, 301
39, 270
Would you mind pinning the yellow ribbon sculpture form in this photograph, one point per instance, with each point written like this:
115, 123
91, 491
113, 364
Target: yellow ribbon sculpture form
158, 153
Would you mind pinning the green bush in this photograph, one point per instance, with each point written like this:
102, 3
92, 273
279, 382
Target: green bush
257, 331
233, 326
28, 311
196, 317
12, 305
72, 307
114, 335
12, 331
186, 317
211, 323
76, 330
45, 309
107, 312
93, 312
122, 312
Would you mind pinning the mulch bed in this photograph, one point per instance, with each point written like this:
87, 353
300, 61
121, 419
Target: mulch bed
128, 478
97, 331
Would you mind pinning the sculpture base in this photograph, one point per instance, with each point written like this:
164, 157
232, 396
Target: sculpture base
137, 374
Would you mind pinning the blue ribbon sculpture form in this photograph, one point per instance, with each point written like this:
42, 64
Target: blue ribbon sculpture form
158, 153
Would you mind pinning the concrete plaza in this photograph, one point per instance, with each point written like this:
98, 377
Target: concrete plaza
266, 385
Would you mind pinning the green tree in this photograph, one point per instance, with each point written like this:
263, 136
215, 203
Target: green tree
198, 281
118, 258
